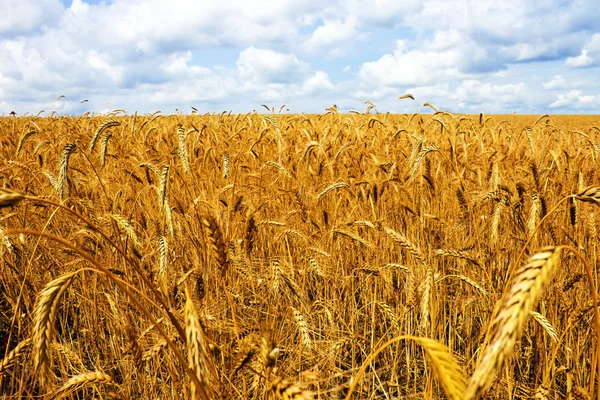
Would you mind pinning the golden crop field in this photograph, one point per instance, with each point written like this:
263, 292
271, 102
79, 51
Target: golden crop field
363, 256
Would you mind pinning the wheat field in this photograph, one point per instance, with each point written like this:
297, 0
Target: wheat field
275, 256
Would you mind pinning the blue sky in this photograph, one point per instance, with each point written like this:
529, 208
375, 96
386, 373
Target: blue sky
462, 56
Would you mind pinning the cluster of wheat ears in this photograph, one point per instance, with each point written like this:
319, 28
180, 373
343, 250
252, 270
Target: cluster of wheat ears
370, 256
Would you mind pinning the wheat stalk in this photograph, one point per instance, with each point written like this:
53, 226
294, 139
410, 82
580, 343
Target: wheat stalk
457, 254
444, 365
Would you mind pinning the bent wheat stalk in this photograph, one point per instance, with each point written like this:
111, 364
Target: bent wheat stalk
445, 366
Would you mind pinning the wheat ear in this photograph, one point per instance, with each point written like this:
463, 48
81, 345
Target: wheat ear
520, 300
126, 227
183, 153
22, 141
302, 327
197, 353
404, 242
10, 198
589, 195
43, 323
78, 381
543, 321
216, 242
104, 148
64, 168
287, 390
337, 185
13, 355
99, 131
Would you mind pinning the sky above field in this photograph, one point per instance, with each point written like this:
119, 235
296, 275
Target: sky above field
462, 56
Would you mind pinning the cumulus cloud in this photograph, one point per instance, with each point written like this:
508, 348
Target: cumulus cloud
178, 65
387, 13
317, 83
334, 36
475, 92
575, 99
582, 60
557, 82
412, 66
590, 54
26, 16
268, 66
103, 63
566, 99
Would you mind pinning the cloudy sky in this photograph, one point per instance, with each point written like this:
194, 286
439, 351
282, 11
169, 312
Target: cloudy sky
528, 56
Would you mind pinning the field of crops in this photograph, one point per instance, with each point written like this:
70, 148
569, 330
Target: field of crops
364, 256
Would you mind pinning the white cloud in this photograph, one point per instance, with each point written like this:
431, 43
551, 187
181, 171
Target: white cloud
590, 54
412, 67
317, 83
156, 26
333, 36
593, 45
557, 82
566, 99
582, 60
102, 63
381, 12
24, 16
268, 66
588, 99
178, 65
208, 88
473, 95
156, 54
